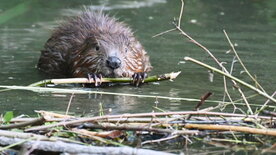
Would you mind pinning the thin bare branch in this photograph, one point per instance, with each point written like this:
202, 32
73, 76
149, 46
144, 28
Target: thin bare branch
164, 32
240, 61
69, 104
160, 140
264, 105
181, 13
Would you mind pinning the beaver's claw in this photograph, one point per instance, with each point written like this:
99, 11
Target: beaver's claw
97, 78
138, 78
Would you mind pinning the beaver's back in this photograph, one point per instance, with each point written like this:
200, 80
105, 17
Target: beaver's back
93, 43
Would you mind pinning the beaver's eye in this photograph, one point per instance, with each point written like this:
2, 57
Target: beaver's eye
125, 49
97, 47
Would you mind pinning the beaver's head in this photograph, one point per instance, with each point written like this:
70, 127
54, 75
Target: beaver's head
98, 44
109, 54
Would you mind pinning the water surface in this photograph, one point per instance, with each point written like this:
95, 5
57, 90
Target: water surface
26, 25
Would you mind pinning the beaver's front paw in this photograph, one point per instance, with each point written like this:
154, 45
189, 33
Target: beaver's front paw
138, 78
97, 78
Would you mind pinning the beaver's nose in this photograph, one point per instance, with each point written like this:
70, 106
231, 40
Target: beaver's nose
113, 62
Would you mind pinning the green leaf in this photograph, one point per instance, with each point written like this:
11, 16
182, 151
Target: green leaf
8, 116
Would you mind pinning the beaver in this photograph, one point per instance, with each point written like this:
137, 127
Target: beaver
94, 45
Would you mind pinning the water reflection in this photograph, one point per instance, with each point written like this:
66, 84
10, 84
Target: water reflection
107, 5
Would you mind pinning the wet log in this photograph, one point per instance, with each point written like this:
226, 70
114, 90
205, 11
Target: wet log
71, 148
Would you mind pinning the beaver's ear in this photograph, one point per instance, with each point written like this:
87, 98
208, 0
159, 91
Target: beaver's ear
92, 39
89, 43
92, 42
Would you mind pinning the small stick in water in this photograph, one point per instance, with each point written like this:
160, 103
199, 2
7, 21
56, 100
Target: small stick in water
202, 99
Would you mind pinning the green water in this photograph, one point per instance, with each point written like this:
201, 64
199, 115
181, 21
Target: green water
26, 25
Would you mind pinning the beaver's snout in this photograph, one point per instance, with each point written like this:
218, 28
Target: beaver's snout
113, 62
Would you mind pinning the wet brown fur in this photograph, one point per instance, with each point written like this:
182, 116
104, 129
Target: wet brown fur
71, 51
